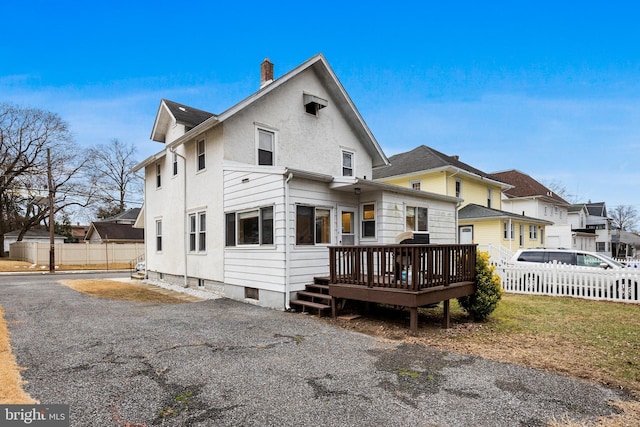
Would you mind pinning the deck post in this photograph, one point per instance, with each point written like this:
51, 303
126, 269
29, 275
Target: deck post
446, 322
413, 320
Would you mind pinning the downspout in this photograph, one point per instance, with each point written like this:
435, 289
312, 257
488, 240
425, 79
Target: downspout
184, 213
287, 250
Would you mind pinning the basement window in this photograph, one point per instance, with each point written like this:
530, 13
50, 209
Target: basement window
252, 293
313, 104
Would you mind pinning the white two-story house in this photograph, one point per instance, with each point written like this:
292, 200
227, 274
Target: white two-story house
247, 201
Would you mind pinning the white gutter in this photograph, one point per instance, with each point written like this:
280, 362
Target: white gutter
184, 208
287, 250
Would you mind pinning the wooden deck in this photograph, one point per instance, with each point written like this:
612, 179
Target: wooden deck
405, 275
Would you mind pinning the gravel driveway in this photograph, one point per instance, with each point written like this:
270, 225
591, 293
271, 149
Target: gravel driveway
225, 363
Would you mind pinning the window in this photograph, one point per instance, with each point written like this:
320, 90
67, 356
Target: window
201, 155
158, 175
265, 147
521, 237
250, 227
458, 188
175, 164
347, 163
313, 225
415, 185
508, 230
198, 232
600, 246
533, 232
416, 219
159, 235
369, 220
546, 209
489, 197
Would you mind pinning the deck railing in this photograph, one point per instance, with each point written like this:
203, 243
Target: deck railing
407, 267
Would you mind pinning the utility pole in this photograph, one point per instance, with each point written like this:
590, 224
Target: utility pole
52, 246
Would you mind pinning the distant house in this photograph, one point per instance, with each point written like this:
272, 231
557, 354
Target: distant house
481, 219
529, 197
33, 235
116, 229
112, 232
598, 221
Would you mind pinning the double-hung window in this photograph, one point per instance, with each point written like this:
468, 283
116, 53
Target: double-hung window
266, 147
159, 235
347, 163
416, 219
175, 164
508, 230
458, 188
198, 232
369, 220
313, 225
533, 232
158, 175
254, 227
489, 197
201, 155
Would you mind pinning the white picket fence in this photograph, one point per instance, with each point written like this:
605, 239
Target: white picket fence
566, 280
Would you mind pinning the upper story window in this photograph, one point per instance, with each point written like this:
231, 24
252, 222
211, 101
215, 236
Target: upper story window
201, 155
313, 104
175, 164
347, 163
369, 220
458, 188
266, 147
416, 219
415, 185
489, 197
158, 175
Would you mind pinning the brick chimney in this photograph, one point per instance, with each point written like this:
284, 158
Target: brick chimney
266, 73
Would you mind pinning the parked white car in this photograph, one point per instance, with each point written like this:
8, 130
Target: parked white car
623, 280
566, 256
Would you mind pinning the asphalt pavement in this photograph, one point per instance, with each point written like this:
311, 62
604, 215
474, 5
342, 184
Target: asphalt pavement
226, 363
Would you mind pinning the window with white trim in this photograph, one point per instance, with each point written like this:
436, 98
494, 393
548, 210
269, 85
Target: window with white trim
158, 175
533, 232
175, 164
347, 163
254, 227
313, 225
201, 155
415, 185
266, 147
158, 235
369, 220
198, 232
489, 197
508, 231
458, 188
416, 219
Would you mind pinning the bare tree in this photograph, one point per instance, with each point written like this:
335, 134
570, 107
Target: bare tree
25, 136
111, 169
624, 217
561, 190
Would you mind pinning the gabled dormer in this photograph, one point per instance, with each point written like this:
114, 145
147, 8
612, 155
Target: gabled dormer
174, 120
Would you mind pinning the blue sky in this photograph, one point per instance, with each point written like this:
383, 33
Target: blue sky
549, 88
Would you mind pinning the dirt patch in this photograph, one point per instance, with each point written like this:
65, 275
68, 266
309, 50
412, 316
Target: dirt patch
112, 289
10, 380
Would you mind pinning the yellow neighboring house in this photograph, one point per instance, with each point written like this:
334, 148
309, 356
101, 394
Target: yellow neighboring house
480, 218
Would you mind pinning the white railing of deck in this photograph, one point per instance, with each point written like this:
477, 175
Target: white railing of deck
565, 280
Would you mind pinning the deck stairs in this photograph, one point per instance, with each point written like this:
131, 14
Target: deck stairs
314, 297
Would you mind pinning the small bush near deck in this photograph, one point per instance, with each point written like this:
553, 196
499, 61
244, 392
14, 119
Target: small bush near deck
488, 292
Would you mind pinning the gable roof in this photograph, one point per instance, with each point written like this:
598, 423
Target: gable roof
424, 158
525, 186
319, 65
477, 212
170, 111
596, 209
111, 231
128, 216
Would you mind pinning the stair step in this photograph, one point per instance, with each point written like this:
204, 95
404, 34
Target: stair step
314, 295
322, 288
321, 280
311, 304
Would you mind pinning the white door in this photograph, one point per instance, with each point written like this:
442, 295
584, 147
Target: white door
346, 225
466, 235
